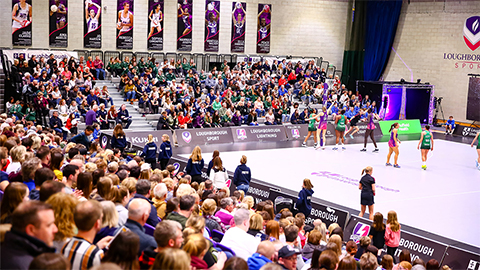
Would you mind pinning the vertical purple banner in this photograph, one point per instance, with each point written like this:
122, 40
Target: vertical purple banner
22, 22
238, 27
125, 24
212, 29
263, 28
155, 25
184, 25
58, 22
92, 33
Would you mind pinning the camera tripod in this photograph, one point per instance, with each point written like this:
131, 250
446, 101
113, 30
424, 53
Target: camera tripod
438, 107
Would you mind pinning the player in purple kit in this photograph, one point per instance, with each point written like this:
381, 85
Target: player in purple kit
322, 126
393, 144
212, 22
370, 130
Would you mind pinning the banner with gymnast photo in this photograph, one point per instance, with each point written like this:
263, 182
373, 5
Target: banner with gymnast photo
263, 28
58, 23
155, 25
184, 25
237, 43
125, 24
22, 22
92, 32
212, 27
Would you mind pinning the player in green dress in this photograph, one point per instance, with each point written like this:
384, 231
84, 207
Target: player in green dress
425, 144
312, 128
340, 122
478, 149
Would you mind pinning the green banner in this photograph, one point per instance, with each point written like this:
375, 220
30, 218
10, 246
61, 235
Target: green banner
406, 126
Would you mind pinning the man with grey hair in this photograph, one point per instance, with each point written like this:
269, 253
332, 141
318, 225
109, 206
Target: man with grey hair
138, 213
225, 212
243, 244
160, 194
168, 234
29, 167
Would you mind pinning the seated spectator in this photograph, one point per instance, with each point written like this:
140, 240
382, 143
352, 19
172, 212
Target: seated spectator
160, 194
14, 195
163, 122
50, 261
225, 212
99, 70
270, 118
187, 202
32, 234
109, 221
143, 192
123, 117
138, 214
265, 254
313, 242
57, 125
287, 257
168, 235
63, 206
368, 261
83, 138
196, 246
211, 222
256, 226
123, 251
364, 243
170, 258
351, 248
88, 219
237, 238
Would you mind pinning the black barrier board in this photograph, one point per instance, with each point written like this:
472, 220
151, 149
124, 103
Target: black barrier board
261, 133
419, 247
138, 138
327, 214
457, 258
466, 131
197, 136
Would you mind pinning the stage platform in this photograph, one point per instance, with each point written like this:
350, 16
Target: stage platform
443, 200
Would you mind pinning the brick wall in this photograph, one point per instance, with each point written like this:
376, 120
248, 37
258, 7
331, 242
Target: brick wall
425, 32
299, 27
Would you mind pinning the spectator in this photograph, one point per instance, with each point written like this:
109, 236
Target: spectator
122, 197
212, 222
41, 175
377, 231
196, 246
143, 192
32, 234
168, 235
237, 238
50, 261
138, 214
313, 242
195, 164
163, 122
63, 207
265, 254
218, 174
57, 125
70, 173
88, 219
368, 261
160, 194
14, 195
83, 138
187, 202
165, 152
91, 116
287, 257
170, 258
123, 117
119, 140
225, 212
123, 251
98, 65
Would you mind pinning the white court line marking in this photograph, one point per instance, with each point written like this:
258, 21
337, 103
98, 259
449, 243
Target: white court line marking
429, 156
433, 196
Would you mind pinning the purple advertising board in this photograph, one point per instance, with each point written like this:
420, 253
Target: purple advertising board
58, 23
239, 15
92, 32
199, 136
125, 24
155, 23
260, 133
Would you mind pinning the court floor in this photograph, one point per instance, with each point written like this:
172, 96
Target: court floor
444, 199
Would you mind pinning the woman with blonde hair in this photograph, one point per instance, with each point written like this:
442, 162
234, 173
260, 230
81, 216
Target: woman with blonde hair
212, 222
150, 152
250, 202
17, 153
392, 234
197, 223
196, 246
121, 199
367, 186
15, 193
172, 258
218, 174
63, 208
256, 227
195, 165
338, 241
109, 221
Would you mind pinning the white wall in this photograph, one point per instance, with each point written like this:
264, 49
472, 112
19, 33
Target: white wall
299, 27
425, 32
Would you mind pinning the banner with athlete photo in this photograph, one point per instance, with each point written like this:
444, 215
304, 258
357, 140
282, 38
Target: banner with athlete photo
155, 25
238, 27
263, 28
58, 22
92, 32
184, 25
22, 22
125, 24
212, 28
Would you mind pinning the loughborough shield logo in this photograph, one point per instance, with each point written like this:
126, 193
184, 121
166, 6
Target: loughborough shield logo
104, 141
186, 136
471, 32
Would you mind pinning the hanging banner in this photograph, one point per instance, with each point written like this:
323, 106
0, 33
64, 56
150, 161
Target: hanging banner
125, 24
92, 33
58, 15
212, 15
184, 25
263, 28
238, 27
155, 23
22, 22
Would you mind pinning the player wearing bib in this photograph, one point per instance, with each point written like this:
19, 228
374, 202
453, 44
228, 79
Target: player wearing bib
125, 19
425, 144
91, 17
21, 15
156, 17
369, 131
322, 126
353, 123
312, 129
477, 138
393, 144
340, 122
